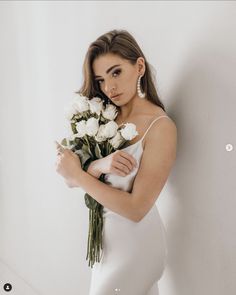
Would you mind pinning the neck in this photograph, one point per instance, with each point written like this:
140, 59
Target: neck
131, 108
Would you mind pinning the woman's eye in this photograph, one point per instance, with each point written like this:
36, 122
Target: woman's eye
115, 72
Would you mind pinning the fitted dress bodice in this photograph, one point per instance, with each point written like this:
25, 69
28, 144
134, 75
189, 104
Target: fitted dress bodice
126, 182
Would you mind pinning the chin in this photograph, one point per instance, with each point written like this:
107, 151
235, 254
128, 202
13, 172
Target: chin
119, 103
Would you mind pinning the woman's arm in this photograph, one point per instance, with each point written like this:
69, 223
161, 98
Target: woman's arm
156, 163
116, 200
93, 169
119, 163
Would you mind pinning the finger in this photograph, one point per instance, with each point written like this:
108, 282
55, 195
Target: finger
122, 167
124, 162
59, 146
60, 149
60, 153
130, 158
118, 172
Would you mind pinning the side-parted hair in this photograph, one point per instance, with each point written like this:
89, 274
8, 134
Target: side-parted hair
123, 44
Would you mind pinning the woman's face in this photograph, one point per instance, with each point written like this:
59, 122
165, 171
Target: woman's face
115, 75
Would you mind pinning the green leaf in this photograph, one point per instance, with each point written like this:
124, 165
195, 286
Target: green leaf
85, 148
88, 148
90, 202
98, 151
79, 142
84, 156
73, 127
64, 142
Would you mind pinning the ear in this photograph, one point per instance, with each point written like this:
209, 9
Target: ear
141, 65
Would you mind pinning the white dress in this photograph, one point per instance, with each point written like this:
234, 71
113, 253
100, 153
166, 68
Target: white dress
134, 253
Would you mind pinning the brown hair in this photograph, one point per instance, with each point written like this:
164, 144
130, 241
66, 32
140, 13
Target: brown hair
122, 43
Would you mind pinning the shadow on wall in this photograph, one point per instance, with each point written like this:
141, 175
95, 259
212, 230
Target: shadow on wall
200, 233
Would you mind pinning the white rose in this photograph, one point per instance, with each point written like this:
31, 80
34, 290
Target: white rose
92, 126
81, 128
129, 131
73, 136
80, 103
69, 112
110, 112
100, 135
96, 105
110, 129
116, 140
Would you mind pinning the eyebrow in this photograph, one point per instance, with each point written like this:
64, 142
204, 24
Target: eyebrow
108, 70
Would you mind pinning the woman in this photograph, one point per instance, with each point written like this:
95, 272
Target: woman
135, 249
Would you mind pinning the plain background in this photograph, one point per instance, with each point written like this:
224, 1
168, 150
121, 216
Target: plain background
43, 223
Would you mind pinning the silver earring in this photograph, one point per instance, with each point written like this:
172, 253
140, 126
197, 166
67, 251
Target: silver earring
140, 93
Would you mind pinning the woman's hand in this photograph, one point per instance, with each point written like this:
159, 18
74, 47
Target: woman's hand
119, 162
68, 165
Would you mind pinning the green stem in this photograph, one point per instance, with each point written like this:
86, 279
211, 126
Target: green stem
95, 241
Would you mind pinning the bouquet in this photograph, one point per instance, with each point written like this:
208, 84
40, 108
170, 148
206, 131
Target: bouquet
95, 135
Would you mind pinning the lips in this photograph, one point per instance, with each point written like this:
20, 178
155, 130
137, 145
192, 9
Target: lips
114, 96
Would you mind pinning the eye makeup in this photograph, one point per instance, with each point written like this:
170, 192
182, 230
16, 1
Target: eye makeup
117, 71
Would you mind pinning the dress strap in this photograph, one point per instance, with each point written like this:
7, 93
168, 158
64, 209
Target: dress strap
151, 125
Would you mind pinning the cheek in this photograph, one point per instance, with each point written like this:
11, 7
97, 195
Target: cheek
130, 87
130, 82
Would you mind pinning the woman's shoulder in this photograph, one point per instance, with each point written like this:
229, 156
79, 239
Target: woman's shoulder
165, 128
155, 111
164, 123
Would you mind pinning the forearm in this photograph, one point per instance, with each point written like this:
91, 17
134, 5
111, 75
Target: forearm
118, 201
93, 171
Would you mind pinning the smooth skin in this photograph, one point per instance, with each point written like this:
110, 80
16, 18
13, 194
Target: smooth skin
159, 145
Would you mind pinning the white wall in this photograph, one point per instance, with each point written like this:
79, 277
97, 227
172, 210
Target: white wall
43, 223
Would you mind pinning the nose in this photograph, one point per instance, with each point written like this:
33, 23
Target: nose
109, 89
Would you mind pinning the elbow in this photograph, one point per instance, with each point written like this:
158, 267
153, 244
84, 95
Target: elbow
137, 217
137, 220
137, 211
134, 217
141, 217
141, 214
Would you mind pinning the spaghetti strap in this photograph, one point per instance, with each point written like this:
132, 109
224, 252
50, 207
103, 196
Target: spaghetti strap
151, 126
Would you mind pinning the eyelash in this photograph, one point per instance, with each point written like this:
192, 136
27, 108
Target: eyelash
116, 71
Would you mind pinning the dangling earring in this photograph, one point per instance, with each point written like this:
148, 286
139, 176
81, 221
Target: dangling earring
140, 93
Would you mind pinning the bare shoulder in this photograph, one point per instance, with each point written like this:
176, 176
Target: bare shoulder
163, 127
153, 111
